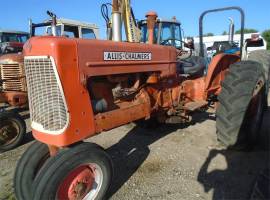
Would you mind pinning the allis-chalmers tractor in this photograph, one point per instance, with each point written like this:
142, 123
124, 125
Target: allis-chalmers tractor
79, 88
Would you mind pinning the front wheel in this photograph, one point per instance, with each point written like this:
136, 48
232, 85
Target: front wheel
12, 130
83, 171
27, 168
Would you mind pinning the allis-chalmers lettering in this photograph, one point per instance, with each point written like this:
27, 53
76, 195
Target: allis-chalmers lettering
127, 56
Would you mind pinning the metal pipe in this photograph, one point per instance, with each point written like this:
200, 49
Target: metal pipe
231, 30
117, 26
109, 33
116, 22
115, 6
31, 29
54, 22
151, 21
54, 30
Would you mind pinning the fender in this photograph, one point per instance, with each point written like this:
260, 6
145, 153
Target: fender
217, 71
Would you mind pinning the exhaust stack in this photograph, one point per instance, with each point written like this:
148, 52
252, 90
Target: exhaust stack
231, 30
151, 21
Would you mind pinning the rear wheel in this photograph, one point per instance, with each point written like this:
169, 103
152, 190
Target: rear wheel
12, 130
263, 57
27, 168
83, 171
240, 112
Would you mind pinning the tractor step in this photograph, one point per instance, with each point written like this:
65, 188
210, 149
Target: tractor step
192, 106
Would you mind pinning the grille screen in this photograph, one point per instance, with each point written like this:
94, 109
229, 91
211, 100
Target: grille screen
13, 76
47, 104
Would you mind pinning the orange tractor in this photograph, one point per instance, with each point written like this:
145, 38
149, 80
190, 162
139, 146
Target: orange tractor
13, 88
78, 88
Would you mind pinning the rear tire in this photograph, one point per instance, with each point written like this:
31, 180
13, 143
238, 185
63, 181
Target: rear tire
12, 130
83, 169
263, 57
240, 110
27, 168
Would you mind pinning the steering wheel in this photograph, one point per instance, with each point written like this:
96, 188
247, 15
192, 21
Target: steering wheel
168, 42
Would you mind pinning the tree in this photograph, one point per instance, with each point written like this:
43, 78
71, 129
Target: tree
247, 30
208, 34
225, 33
266, 36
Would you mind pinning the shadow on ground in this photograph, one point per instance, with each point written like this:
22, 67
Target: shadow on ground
131, 152
232, 183
243, 169
237, 180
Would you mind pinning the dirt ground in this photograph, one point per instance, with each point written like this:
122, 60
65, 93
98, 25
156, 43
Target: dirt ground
170, 162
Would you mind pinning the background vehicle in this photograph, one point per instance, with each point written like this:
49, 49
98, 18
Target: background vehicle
64, 27
13, 89
12, 41
114, 83
74, 29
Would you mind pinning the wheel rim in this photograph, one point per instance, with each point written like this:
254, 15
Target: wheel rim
82, 183
9, 131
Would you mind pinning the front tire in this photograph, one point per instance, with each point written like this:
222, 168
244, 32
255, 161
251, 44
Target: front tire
12, 130
27, 168
240, 110
81, 171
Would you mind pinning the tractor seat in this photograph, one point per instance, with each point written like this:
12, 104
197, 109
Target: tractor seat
192, 66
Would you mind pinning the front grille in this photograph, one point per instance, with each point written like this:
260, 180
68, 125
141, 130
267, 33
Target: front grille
46, 99
13, 77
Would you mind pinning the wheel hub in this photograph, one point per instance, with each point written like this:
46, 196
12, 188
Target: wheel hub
77, 184
8, 132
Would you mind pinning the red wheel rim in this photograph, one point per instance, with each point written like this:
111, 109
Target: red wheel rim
84, 182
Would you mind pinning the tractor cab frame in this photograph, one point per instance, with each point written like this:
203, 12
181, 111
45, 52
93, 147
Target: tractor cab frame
66, 27
166, 32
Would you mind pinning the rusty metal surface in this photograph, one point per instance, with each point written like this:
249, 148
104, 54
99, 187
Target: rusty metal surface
151, 21
13, 77
163, 59
194, 105
12, 74
217, 71
11, 58
14, 98
127, 112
